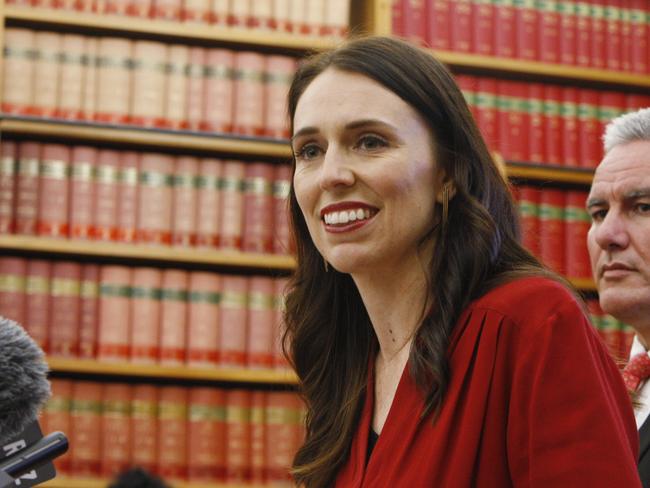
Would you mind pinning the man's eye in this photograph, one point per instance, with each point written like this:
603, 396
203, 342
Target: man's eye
371, 142
308, 152
643, 208
598, 215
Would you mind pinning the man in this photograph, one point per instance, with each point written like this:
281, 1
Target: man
619, 247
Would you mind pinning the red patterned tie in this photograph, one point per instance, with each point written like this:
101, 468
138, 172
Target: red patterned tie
636, 371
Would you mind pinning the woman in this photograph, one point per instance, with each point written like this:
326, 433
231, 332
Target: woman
415, 319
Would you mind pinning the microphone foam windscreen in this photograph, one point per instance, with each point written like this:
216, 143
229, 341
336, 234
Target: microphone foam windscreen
24, 387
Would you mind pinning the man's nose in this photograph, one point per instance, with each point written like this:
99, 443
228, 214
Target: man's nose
612, 232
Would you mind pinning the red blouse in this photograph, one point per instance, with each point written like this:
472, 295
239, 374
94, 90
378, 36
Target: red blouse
534, 400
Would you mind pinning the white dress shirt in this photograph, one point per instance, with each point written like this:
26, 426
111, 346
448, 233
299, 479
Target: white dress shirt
641, 411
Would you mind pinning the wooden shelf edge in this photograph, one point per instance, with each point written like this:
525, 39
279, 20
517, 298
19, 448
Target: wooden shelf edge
62, 481
171, 29
147, 253
556, 174
237, 375
146, 137
512, 65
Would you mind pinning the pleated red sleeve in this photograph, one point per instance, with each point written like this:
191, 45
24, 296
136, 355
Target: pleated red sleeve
534, 401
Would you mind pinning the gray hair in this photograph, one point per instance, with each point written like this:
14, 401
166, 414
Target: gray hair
634, 126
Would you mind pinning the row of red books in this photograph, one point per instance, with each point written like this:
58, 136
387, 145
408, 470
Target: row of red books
554, 226
81, 192
604, 34
327, 18
545, 123
145, 83
616, 335
202, 434
145, 315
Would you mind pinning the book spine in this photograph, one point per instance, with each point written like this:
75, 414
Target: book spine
127, 204
639, 36
282, 419
53, 191
282, 240
598, 34
85, 429
551, 229
583, 34
504, 31
486, 108
613, 35
279, 71
47, 46
176, 92
208, 203
569, 124
282, 20
13, 272
279, 360
527, 23
258, 208
568, 29
88, 311
261, 313
438, 24
91, 71
155, 198
257, 437
239, 13
115, 429
314, 18
483, 19
19, 65
549, 31
146, 292
65, 290
204, 298
8, 177
206, 432
144, 426
106, 195
83, 162
577, 223
238, 448
185, 201
37, 301
114, 59
536, 134
114, 324
219, 95
248, 99
167, 10
195, 11
171, 459
589, 129
27, 182
232, 320
70, 87
336, 19
196, 87
231, 219
56, 416
148, 81
414, 20
173, 322
462, 25
528, 206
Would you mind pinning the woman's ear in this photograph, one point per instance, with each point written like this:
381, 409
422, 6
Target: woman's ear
446, 191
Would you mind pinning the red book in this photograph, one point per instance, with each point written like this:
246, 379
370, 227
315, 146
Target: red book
47, 46
155, 198
577, 223
514, 121
462, 25
219, 100
8, 177
144, 426
89, 100
483, 16
238, 448
279, 360
203, 319
614, 34
634, 101
83, 161
196, 86
528, 205
27, 181
208, 202
196, 11
568, 30
18, 67
262, 11
589, 129
239, 13
258, 208
598, 34
231, 218
279, 71
282, 434
486, 108
552, 229
414, 20
396, 17
536, 132
88, 311
173, 319
114, 323
261, 314
113, 80
185, 201
70, 86
504, 29
569, 124
584, 49
176, 91
65, 287
171, 461
12, 288
56, 416
233, 321
166, 10
146, 292
281, 21
626, 35
138, 8
85, 429
297, 15
148, 81
106, 195
127, 191
527, 33
206, 431
612, 104
552, 124
468, 85
282, 241
549, 31
258, 437
248, 102
438, 31
314, 15
37, 301
639, 33
53, 191
336, 19
116, 429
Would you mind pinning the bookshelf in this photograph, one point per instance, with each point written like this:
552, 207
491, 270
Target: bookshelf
221, 375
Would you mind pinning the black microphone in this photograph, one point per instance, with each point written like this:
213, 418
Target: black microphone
24, 389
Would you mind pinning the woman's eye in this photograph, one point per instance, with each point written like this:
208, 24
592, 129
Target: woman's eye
371, 143
308, 151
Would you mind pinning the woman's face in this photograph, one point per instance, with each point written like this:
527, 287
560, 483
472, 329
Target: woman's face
365, 177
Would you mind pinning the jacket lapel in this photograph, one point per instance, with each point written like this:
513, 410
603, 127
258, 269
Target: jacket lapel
644, 438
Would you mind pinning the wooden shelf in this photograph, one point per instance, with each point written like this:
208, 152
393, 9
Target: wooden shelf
231, 375
583, 284
71, 482
140, 252
556, 174
548, 70
133, 136
107, 23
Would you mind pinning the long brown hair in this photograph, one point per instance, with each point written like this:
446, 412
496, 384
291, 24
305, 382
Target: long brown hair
329, 337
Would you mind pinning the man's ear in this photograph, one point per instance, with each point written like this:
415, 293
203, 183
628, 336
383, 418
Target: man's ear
446, 187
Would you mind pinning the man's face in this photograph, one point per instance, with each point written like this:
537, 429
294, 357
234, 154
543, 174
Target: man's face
619, 237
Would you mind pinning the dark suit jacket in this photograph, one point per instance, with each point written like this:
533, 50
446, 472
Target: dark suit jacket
644, 453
